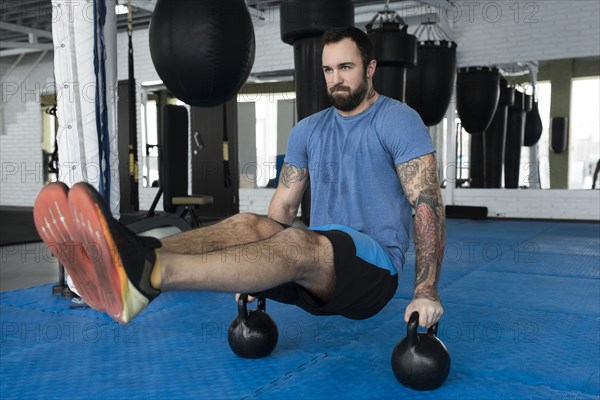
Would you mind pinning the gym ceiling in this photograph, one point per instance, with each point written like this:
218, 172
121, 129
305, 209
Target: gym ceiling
26, 25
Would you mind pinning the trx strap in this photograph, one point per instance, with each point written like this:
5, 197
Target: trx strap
133, 158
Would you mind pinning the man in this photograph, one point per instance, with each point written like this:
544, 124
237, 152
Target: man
370, 158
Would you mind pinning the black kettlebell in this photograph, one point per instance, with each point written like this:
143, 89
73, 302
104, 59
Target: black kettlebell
252, 334
420, 361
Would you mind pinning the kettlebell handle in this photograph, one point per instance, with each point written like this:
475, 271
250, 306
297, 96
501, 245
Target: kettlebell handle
411, 329
243, 306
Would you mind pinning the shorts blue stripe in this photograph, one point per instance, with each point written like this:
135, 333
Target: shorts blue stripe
367, 248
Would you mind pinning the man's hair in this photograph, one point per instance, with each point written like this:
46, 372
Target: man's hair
362, 41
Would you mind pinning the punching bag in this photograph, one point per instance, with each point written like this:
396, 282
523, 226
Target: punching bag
395, 51
533, 126
476, 161
429, 86
202, 50
302, 23
495, 138
515, 133
560, 134
477, 96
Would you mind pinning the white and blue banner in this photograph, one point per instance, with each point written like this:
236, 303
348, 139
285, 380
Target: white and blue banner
84, 35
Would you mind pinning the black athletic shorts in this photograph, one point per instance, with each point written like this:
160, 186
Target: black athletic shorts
362, 289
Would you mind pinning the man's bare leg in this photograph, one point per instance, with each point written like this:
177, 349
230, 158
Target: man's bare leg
291, 255
123, 263
239, 229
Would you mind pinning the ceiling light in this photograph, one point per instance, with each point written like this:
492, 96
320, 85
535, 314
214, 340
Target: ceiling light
121, 9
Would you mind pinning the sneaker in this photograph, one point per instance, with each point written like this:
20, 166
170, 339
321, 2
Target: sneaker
55, 226
122, 261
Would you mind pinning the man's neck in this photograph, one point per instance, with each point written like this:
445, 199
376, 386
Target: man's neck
369, 99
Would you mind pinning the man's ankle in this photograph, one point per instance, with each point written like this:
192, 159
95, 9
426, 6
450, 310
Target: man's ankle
156, 274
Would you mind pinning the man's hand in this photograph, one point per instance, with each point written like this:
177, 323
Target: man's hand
420, 184
250, 298
430, 311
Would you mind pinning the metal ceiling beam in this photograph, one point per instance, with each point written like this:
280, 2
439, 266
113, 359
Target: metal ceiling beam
146, 5
24, 29
27, 45
18, 52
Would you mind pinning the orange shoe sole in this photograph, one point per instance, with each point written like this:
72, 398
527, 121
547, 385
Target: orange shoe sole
56, 227
91, 215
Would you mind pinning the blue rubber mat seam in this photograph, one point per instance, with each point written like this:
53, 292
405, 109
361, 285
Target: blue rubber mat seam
263, 390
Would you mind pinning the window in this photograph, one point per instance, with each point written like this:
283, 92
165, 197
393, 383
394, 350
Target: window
584, 140
529, 168
150, 141
153, 100
272, 116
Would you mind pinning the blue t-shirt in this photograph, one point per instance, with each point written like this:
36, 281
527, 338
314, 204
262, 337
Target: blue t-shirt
351, 162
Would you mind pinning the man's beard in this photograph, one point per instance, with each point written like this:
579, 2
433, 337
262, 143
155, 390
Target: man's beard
351, 99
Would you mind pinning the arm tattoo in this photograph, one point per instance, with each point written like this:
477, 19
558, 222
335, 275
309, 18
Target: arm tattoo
421, 187
291, 175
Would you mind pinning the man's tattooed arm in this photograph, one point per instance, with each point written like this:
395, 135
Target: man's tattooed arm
420, 183
286, 201
291, 175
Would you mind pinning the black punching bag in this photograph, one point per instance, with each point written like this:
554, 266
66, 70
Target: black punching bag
202, 50
477, 96
495, 138
533, 126
476, 161
395, 51
515, 133
560, 134
302, 23
429, 86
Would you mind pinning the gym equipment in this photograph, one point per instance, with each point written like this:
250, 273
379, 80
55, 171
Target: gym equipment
252, 334
430, 85
560, 133
495, 138
302, 23
202, 50
133, 195
395, 51
173, 165
476, 161
214, 153
477, 96
469, 212
420, 361
533, 125
515, 133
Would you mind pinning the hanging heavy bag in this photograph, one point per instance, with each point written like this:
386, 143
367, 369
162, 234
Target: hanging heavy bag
202, 50
477, 96
533, 126
429, 86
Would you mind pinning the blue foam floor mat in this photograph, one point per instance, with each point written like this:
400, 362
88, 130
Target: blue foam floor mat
522, 321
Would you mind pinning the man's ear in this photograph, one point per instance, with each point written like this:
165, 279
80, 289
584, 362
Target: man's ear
371, 67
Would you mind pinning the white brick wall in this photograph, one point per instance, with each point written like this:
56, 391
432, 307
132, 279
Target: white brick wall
21, 175
501, 203
271, 53
495, 32
255, 200
21, 155
536, 204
